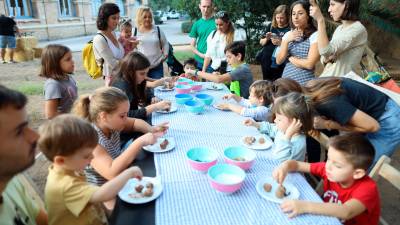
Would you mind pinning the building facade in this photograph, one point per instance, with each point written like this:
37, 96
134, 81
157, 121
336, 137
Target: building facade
56, 19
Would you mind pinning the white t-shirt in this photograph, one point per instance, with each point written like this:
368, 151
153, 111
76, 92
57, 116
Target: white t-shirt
118, 51
216, 46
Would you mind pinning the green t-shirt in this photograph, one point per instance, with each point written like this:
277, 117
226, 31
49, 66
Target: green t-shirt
200, 31
18, 206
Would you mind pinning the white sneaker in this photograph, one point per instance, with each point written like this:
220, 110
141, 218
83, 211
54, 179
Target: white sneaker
3, 61
11, 62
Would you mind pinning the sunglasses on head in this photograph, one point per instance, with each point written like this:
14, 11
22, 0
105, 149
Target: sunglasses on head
222, 14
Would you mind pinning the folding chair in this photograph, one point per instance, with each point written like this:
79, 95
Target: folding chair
384, 169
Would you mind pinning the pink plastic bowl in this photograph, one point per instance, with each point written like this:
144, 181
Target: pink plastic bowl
235, 155
196, 86
183, 89
201, 158
226, 178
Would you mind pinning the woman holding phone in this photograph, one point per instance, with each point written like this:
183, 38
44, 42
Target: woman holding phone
299, 46
343, 53
271, 42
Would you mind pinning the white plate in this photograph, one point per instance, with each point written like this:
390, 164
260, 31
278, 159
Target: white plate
290, 189
171, 110
128, 191
156, 146
215, 87
256, 145
161, 88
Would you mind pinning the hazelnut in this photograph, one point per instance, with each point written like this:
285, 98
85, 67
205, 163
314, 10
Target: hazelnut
261, 140
267, 187
280, 191
148, 192
139, 188
149, 185
164, 144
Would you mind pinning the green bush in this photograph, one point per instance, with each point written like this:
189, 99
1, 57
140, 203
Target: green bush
186, 27
157, 20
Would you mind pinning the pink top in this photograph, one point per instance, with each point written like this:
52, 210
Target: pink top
128, 46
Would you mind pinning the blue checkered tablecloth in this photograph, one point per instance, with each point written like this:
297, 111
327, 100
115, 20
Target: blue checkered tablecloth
189, 199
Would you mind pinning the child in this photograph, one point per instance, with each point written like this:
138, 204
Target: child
293, 119
349, 193
60, 90
69, 198
256, 106
240, 77
127, 41
107, 110
189, 64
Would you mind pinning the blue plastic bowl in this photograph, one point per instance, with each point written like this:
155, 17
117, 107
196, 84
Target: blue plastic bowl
201, 158
239, 156
194, 106
182, 98
205, 98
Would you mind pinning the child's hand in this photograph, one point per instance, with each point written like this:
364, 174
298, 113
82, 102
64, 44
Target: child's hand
150, 138
228, 96
279, 174
163, 127
250, 122
163, 105
224, 106
293, 128
135, 172
155, 100
293, 207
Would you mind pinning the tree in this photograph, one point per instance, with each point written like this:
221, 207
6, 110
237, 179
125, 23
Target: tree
254, 13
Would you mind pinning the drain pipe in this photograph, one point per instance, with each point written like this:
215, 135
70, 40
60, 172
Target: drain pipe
45, 19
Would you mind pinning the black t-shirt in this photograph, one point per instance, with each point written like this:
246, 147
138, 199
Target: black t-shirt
7, 26
356, 95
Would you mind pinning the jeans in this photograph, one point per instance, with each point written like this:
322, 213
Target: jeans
200, 67
157, 72
387, 139
7, 41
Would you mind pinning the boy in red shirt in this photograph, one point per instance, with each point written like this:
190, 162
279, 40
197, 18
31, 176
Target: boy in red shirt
349, 193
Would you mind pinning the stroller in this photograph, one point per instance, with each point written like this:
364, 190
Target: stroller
175, 67
380, 77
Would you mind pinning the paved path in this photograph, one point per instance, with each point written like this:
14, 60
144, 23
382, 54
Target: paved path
172, 29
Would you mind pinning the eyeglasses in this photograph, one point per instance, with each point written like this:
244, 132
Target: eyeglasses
222, 14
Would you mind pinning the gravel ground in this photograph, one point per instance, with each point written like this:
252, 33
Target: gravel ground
24, 76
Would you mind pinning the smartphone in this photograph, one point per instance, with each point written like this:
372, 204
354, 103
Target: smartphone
275, 36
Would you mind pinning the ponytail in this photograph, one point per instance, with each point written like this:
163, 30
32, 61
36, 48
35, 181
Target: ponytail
81, 107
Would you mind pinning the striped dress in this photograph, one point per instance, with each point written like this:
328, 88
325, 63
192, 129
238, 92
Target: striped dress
112, 145
300, 50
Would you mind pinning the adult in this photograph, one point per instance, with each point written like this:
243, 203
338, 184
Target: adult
217, 40
130, 77
152, 42
17, 153
299, 46
107, 49
347, 105
343, 53
200, 31
8, 28
272, 40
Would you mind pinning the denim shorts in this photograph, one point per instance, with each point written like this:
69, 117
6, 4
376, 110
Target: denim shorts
387, 139
7, 41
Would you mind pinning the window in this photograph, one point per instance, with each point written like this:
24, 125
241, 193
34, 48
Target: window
122, 7
95, 7
20, 9
65, 7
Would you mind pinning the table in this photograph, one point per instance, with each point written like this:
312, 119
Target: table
189, 199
